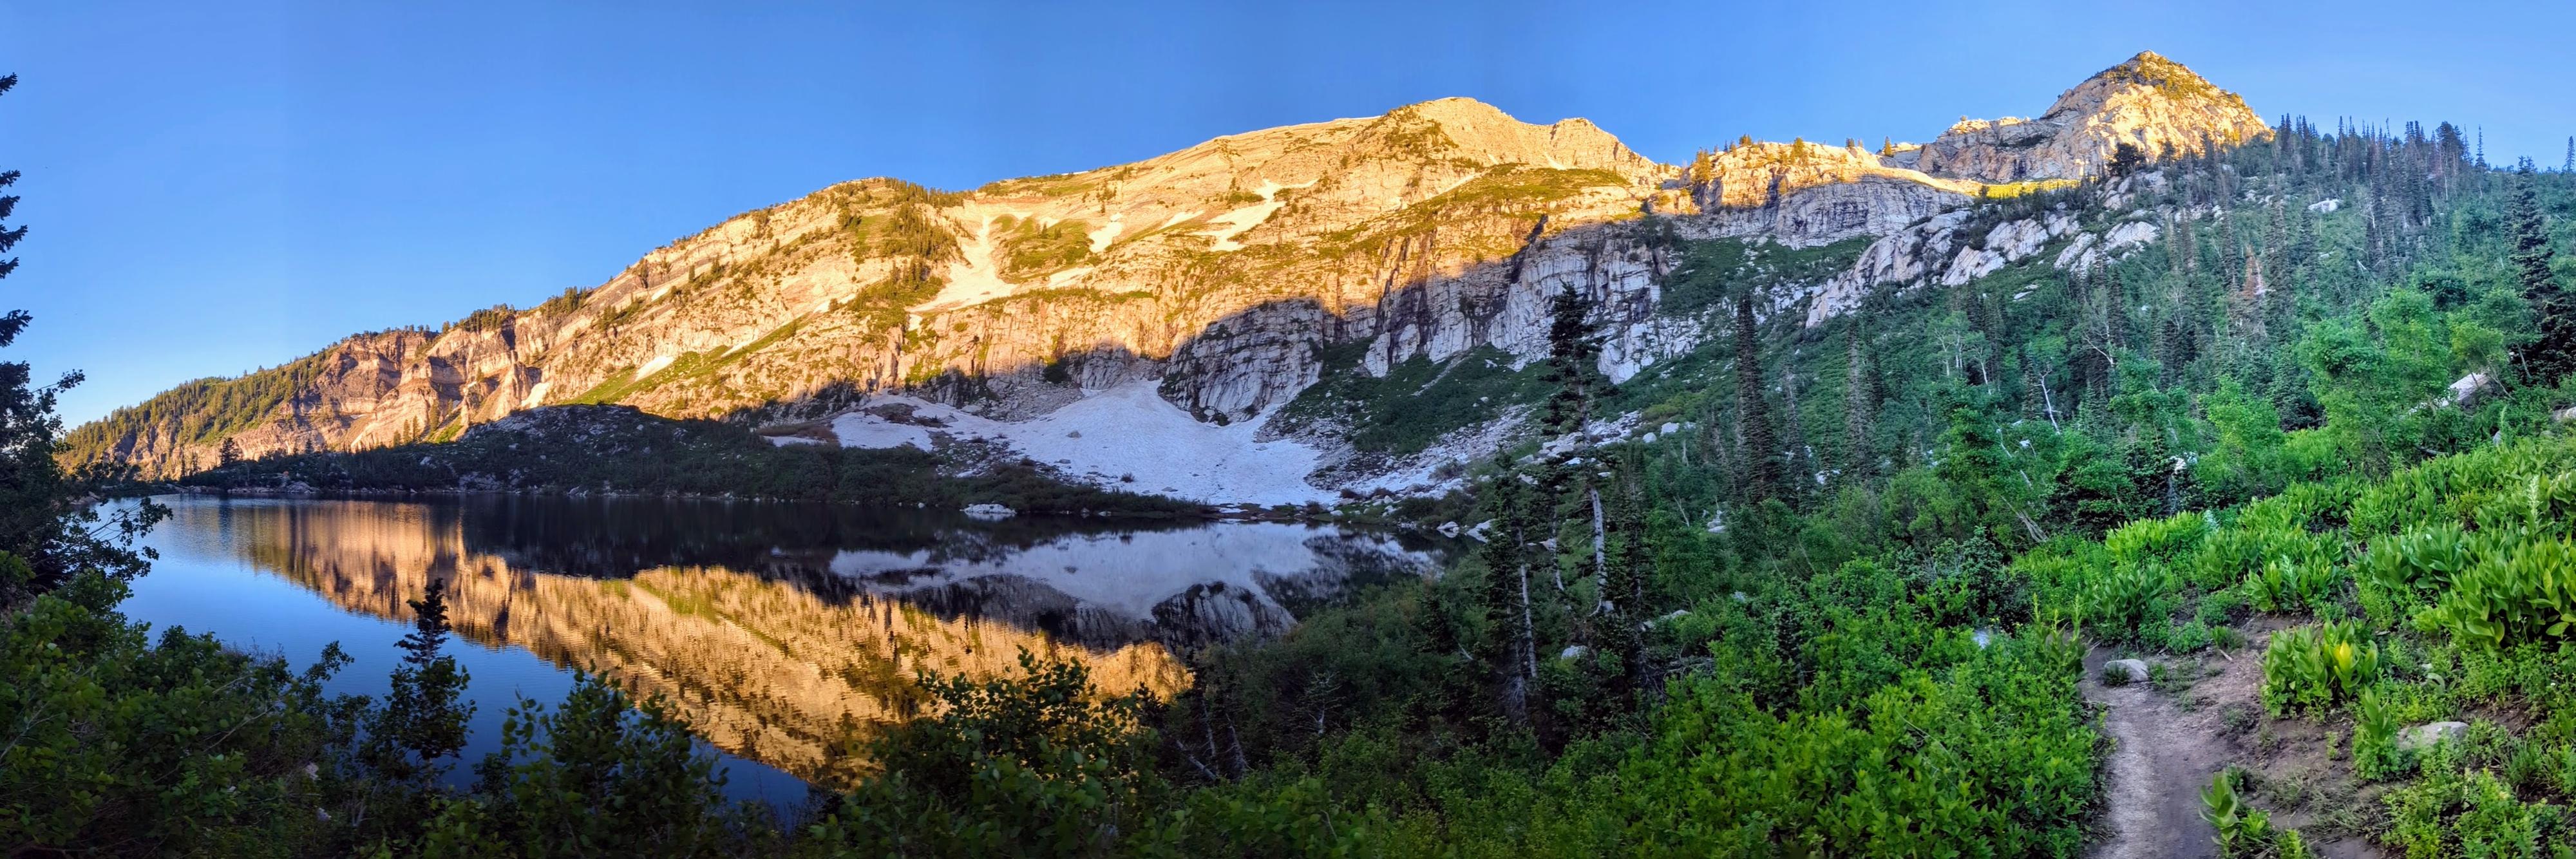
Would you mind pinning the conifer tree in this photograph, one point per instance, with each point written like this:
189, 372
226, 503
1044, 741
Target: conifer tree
1752, 410
2552, 353
1511, 647
44, 519
1859, 404
422, 719
1573, 362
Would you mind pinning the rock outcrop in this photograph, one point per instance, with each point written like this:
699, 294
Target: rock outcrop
2151, 102
1803, 194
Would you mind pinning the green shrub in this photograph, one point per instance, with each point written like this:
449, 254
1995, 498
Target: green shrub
2121, 603
2374, 738
2524, 594
2314, 668
2288, 583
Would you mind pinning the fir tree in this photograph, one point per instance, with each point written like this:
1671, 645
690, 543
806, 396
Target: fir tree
422, 719
1511, 648
1859, 402
228, 454
2552, 353
46, 518
2125, 159
1573, 362
1752, 411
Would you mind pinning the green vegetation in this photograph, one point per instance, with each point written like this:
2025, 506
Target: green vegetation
1031, 249
201, 411
687, 369
620, 449
1415, 403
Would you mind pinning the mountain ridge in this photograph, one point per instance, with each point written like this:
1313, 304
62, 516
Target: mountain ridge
1218, 271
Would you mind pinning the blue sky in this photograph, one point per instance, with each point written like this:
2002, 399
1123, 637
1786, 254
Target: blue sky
213, 188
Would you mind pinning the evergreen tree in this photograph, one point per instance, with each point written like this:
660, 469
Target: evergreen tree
1511, 646
2125, 159
2552, 353
422, 719
1573, 362
44, 517
227, 454
1752, 409
1859, 402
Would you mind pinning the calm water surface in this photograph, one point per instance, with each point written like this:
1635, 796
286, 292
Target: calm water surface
781, 631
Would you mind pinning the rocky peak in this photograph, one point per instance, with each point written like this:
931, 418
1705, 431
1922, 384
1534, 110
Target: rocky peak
2149, 101
1484, 133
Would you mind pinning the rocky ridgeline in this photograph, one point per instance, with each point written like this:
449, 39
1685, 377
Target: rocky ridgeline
1218, 269
2149, 101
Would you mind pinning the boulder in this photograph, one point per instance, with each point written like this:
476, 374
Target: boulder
2428, 735
2465, 392
2136, 668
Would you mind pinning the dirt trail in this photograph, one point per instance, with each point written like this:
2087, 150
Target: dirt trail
2168, 744
2161, 757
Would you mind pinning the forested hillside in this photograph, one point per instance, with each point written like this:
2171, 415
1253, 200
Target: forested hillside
1822, 584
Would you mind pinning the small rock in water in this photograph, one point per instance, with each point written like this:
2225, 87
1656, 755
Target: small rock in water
2426, 736
2137, 668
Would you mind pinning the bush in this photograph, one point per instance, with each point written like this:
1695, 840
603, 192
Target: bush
2525, 593
2316, 667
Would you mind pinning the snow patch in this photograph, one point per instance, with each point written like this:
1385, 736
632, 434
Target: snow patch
655, 365
1240, 220
1107, 233
1114, 434
973, 280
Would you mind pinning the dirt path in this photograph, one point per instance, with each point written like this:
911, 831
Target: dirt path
2168, 743
2161, 758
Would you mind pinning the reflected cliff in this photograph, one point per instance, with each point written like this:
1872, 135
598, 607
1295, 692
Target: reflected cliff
784, 632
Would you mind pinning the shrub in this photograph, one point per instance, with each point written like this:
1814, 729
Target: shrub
2314, 668
2374, 738
2527, 593
2289, 583
2123, 601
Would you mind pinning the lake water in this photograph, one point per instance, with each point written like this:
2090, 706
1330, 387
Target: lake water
782, 632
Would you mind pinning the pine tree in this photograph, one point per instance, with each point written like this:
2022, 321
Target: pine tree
2552, 353
46, 518
1859, 403
423, 717
1512, 649
228, 454
1573, 362
1752, 411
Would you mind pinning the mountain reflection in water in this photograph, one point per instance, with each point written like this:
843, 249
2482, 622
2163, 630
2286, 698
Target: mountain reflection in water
783, 632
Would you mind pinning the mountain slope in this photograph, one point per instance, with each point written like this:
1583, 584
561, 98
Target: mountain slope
1232, 275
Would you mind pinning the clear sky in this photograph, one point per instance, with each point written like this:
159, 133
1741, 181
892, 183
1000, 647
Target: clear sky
216, 187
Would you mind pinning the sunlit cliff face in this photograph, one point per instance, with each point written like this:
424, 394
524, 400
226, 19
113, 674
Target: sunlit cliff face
761, 667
